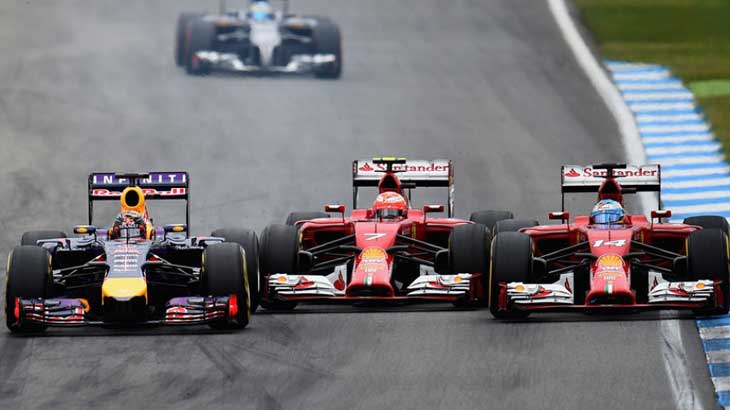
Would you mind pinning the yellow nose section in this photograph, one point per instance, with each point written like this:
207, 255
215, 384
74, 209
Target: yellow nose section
123, 288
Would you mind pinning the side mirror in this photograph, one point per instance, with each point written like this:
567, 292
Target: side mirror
432, 208
427, 209
336, 208
85, 230
175, 228
441, 263
559, 216
369, 214
661, 213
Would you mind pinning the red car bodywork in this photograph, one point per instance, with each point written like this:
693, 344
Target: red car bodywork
378, 259
638, 264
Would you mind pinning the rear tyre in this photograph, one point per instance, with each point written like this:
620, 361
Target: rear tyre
511, 262
224, 274
250, 244
29, 276
180, 36
513, 225
709, 222
707, 258
278, 254
295, 217
201, 36
327, 40
490, 218
32, 237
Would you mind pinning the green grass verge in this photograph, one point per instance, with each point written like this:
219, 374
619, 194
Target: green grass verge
692, 37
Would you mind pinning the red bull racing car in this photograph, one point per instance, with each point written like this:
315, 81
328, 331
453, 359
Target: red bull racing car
132, 273
391, 251
611, 260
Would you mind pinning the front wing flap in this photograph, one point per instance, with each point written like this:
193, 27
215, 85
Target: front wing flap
72, 312
430, 286
560, 295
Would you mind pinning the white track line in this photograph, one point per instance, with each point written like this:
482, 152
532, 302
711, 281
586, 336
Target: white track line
683, 391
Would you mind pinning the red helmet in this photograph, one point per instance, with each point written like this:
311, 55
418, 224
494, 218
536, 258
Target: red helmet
390, 205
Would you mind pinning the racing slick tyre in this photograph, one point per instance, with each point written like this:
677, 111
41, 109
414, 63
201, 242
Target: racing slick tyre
469, 251
511, 262
513, 225
250, 244
295, 217
490, 218
224, 273
327, 40
278, 254
201, 36
180, 36
708, 222
28, 276
707, 258
32, 237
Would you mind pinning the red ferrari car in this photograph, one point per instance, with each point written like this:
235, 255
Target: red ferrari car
389, 252
623, 262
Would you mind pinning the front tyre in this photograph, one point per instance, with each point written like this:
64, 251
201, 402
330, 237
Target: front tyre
224, 273
32, 237
279, 249
707, 258
183, 21
511, 262
29, 276
249, 242
469, 252
201, 37
326, 39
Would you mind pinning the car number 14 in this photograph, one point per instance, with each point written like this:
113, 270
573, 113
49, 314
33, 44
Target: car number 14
601, 242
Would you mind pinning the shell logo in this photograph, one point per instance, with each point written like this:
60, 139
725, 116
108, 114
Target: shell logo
373, 253
610, 261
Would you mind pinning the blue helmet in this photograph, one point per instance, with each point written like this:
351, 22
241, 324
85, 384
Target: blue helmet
607, 211
261, 10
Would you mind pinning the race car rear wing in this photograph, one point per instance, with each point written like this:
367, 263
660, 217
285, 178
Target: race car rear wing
411, 173
632, 178
108, 186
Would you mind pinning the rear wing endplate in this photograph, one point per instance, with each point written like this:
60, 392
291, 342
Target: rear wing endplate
411, 173
108, 186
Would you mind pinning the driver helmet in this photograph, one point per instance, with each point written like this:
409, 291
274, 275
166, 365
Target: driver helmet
607, 211
261, 10
390, 205
133, 224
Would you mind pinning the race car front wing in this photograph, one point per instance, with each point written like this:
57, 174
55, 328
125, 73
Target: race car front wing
299, 63
560, 294
71, 312
430, 286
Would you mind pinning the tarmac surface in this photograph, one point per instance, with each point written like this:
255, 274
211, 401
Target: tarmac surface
91, 86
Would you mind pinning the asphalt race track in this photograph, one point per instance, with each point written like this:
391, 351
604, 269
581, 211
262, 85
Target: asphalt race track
489, 84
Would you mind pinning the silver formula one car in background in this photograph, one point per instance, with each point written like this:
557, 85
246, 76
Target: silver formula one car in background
260, 38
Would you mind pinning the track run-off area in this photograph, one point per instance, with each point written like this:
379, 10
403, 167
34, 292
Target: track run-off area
491, 85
